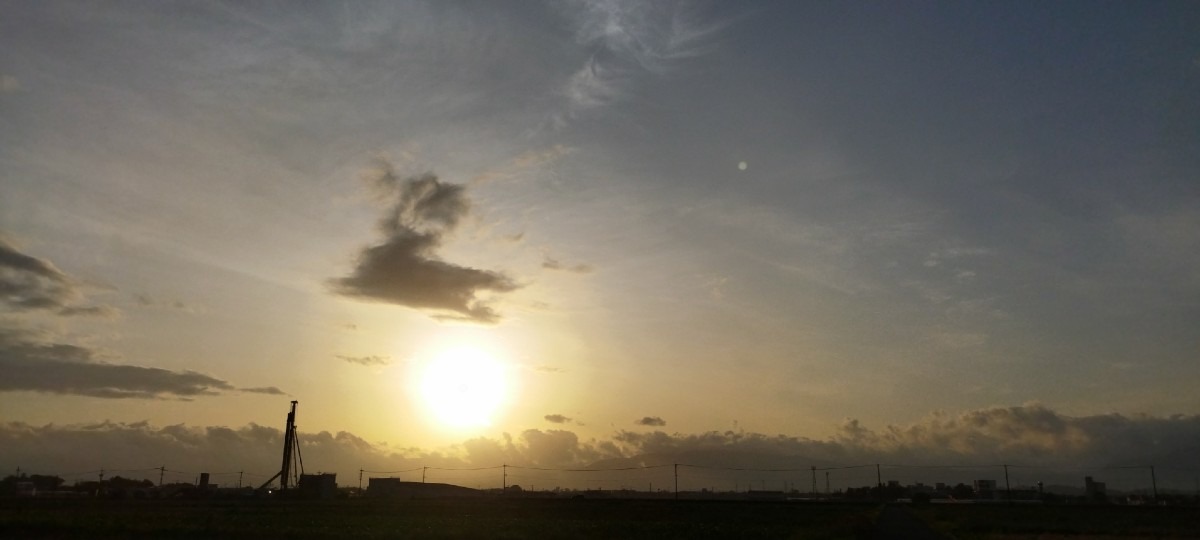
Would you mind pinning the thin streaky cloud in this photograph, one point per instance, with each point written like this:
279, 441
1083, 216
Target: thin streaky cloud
370, 360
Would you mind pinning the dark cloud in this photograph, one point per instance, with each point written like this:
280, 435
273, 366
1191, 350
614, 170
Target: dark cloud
405, 269
554, 264
30, 283
651, 421
269, 390
557, 419
366, 360
548, 369
57, 368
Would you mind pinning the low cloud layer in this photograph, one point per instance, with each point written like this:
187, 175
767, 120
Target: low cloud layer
1037, 442
30, 283
27, 364
404, 269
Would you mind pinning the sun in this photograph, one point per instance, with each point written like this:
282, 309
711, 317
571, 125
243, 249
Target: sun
463, 387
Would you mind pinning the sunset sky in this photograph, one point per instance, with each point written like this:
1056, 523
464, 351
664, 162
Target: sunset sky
600, 221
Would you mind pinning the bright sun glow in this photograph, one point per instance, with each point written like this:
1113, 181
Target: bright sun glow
463, 388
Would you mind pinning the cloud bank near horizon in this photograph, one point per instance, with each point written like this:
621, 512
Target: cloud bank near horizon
1029, 435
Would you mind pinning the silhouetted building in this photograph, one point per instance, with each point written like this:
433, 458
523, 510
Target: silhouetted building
318, 486
1094, 490
985, 489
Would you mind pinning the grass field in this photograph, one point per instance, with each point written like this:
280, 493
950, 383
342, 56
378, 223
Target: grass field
1047, 522
445, 518
561, 518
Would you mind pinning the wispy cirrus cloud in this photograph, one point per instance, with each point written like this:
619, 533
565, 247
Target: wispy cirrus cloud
626, 40
405, 269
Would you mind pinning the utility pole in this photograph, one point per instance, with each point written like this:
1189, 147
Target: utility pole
1154, 484
423, 469
504, 484
814, 480
676, 481
240, 479
161, 470
1007, 487
360, 479
827, 483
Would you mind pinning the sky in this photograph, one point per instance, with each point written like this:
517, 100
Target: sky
562, 233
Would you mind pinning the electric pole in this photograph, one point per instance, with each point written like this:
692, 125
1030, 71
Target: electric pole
1007, 487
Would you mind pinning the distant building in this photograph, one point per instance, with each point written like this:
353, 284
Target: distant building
920, 488
985, 489
1093, 489
318, 486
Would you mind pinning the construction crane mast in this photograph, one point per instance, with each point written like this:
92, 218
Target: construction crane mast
291, 447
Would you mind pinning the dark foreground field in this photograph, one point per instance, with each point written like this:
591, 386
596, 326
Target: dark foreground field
531, 518
446, 518
1053, 522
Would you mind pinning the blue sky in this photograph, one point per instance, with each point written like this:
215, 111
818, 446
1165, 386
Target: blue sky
777, 216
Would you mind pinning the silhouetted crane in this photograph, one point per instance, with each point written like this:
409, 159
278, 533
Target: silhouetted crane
291, 445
